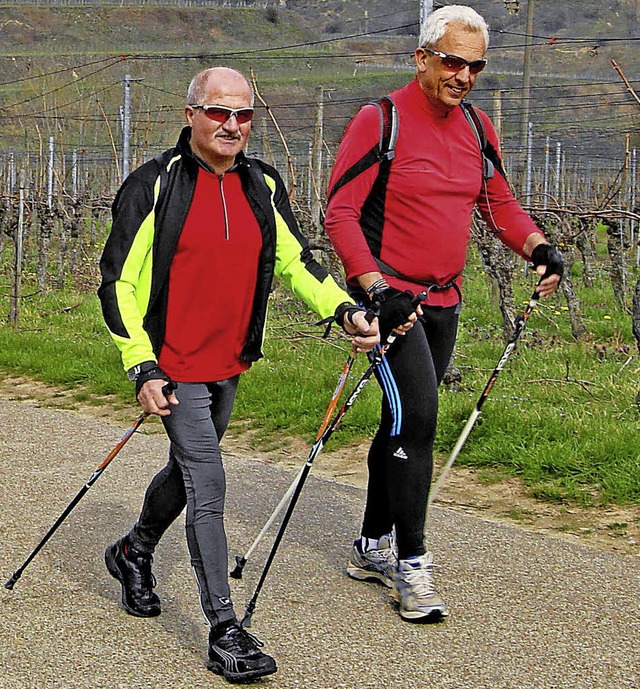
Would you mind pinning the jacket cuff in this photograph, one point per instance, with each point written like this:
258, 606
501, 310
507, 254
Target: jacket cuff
144, 367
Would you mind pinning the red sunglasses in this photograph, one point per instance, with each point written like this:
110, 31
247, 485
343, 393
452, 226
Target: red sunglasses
219, 113
453, 63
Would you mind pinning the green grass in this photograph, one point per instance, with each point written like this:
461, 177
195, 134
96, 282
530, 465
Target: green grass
562, 416
68, 348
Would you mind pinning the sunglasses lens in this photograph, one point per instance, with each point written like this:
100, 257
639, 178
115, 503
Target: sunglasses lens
217, 114
221, 115
453, 64
244, 116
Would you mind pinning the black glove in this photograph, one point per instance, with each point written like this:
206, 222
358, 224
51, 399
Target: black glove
338, 317
547, 255
350, 310
393, 308
156, 373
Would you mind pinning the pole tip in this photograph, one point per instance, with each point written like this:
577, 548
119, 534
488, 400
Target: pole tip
11, 583
248, 614
237, 571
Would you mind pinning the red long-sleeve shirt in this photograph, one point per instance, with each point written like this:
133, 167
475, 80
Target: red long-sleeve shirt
434, 183
212, 283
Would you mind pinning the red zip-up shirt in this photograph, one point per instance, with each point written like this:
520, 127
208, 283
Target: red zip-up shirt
434, 183
212, 283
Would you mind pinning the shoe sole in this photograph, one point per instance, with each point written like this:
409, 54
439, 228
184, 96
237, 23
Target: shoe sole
240, 677
112, 567
368, 575
428, 618
434, 615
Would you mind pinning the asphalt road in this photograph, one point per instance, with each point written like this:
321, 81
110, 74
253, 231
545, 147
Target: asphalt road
527, 611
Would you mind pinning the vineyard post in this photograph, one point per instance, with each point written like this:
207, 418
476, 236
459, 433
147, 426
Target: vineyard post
497, 114
558, 170
316, 195
309, 174
634, 174
17, 272
74, 175
12, 173
529, 178
546, 172
525, 100
426, 8
563, 172
50, 173
126, 128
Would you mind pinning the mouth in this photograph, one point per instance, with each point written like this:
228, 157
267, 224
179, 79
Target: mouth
228, 137
457, 91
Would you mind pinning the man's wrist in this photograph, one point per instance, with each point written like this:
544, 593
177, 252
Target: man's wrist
138, 369
154, 373
375, 288
346, 310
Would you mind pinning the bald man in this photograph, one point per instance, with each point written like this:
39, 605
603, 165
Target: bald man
198, 235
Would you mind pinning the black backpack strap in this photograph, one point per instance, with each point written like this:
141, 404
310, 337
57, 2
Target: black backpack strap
383, 152
490, 159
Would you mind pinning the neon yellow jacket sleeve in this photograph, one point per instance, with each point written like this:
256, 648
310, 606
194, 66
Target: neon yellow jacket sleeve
296, 266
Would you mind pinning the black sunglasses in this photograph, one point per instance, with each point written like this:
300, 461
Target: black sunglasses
453, 63
219, 113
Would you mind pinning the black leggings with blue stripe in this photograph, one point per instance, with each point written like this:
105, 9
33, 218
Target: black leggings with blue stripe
400, 459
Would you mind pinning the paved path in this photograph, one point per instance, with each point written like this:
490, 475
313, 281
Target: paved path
527, 611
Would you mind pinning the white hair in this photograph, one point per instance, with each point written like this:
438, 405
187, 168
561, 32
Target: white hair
435, 25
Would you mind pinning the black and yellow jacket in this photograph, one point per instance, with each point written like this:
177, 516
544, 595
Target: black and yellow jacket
149, 212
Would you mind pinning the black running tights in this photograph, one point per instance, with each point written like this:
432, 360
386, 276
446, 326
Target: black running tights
400, 459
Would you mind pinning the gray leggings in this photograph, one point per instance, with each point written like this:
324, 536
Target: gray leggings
194, 477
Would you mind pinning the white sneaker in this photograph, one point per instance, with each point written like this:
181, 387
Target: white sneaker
415, 591
373, 565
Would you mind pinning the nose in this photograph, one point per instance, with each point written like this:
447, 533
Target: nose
231, 124
464, 74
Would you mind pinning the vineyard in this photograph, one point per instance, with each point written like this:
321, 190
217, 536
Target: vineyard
55, 215
75, 129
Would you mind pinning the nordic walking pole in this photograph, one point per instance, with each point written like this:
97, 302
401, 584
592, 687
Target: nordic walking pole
242, 561
333, 402
521, 322
375, 359
299, 483
167, 389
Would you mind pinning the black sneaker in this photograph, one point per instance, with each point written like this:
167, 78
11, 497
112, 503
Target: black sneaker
236, 654
133, 570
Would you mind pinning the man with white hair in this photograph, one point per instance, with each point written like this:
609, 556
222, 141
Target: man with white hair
198, 235
401, 225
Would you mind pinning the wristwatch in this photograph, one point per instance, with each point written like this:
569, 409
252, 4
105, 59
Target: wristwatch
144, 367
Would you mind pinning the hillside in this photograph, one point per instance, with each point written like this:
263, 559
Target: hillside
63, 68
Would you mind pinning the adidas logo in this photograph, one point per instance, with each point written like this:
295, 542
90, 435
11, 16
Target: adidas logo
400, 454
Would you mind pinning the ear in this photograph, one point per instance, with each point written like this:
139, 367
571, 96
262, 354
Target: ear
188, 113
420, 56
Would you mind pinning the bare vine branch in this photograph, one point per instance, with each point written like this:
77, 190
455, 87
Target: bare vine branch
292, 174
